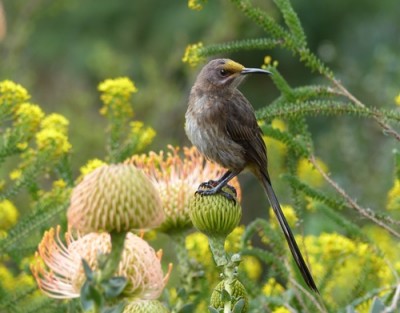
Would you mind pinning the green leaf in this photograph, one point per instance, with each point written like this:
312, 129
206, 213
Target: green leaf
114, 286
87, 270
225, 296
187, 308
377, 306
212, 310
90, 297
115, 309
239, 306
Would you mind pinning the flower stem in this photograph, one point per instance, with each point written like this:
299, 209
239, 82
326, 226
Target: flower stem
111, 265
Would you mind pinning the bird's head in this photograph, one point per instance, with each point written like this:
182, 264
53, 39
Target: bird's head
225, 73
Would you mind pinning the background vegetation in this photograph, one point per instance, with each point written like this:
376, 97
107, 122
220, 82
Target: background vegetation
61, 50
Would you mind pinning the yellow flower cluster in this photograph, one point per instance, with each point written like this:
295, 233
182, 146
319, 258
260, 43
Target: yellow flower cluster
281, 309
197, 245
90, 166
55, 121
8, 215
196, 5
272, 288
116, 94
345, 258
52, 141
11, 95
393, 196
290, 214
143, 136
28, 117
308, 174
192, 54
268, 62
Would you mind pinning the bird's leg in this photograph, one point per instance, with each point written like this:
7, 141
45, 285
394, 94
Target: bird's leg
216, 186
213, 183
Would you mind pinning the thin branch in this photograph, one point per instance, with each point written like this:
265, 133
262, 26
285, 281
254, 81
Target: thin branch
364, 212
386, 127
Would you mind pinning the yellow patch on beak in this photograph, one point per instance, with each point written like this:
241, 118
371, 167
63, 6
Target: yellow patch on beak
233, 67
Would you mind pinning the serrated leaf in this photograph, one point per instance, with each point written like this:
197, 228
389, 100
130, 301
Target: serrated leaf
238, 308
187, 308
377, 306
90, 297
114, 286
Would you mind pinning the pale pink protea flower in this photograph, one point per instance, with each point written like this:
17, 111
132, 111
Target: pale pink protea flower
59, 272
116, 197
177, 178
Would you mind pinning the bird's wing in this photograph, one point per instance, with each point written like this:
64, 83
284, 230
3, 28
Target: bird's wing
241, 125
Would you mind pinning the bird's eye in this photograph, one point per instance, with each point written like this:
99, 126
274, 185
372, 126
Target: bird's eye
223, 72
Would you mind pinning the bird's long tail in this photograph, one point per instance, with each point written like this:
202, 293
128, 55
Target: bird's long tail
294, 248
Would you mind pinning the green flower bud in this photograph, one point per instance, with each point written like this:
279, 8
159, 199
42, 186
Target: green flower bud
238, 291
116, 197
145, 306
215, 215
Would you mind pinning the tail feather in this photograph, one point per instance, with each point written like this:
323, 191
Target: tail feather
301, 264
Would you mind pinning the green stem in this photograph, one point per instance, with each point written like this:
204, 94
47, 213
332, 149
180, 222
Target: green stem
117, 246
217, 247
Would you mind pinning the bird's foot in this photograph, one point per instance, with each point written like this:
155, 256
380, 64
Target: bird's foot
211, 184
212, 190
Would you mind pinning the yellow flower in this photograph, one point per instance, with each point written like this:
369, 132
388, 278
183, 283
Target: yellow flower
55, 121
364, 307
143, 136
393, 196
15, 174
232, 243
308, 174
60, 183
192, 54
53, 141
28, 116
272, 288
22, 145
6, 278
397, 99
8, 214
90, 166
197, 245
290, 214
251, 266
281, 309
196, 5
11, 95
267, 60
116, 94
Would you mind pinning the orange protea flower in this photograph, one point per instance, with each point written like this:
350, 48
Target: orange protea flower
59, 272
177, 178
116, 197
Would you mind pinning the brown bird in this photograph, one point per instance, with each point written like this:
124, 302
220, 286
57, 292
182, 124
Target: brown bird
221, 123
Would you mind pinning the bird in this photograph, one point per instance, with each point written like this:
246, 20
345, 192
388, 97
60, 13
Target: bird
221, 123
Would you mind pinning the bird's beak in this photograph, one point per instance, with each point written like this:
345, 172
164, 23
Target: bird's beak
254, 71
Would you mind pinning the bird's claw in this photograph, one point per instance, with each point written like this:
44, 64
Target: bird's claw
212, 184
212, 190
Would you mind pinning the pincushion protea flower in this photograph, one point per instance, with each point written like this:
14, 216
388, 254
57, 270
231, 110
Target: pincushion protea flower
117, 197
145, 306
59, 272
177, 178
